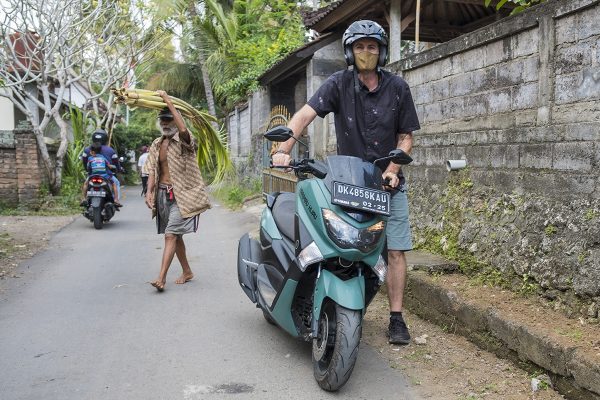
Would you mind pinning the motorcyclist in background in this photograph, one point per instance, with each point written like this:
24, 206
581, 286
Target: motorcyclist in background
101, 136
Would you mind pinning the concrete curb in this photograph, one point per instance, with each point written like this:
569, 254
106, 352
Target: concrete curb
575, 375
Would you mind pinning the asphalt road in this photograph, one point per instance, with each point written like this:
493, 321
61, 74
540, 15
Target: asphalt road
83, 322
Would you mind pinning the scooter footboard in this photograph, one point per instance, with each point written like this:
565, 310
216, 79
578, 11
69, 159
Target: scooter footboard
249, 257
349, 294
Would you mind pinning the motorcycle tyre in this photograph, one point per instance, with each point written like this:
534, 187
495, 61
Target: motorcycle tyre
268, 318
97, 218
334, 368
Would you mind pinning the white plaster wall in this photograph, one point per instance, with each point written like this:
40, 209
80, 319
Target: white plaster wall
7, 115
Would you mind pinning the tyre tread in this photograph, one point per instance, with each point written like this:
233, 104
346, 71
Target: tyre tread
348, 335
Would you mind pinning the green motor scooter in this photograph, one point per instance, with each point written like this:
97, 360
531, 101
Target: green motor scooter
318, 261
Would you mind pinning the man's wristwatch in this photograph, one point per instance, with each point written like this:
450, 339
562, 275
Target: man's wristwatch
282, 152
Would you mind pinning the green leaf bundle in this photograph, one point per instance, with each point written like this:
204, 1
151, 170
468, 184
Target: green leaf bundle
212, 145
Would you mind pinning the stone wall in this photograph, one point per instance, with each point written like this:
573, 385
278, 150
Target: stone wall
520, 101
245, 126
20, 174
8, 175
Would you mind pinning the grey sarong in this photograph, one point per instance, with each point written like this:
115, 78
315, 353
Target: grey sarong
168, 216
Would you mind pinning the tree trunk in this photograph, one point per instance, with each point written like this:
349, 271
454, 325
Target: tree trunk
210, 98
47, 161
60, 154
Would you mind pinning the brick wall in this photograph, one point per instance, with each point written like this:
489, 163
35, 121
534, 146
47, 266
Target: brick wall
8, 174
20, 174
520, 101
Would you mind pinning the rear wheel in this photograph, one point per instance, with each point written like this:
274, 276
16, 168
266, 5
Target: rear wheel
97, 218
336, 348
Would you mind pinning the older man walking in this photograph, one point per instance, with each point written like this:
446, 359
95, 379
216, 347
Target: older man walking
176, 192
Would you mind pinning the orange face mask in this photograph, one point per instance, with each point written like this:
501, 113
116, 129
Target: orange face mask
366, 61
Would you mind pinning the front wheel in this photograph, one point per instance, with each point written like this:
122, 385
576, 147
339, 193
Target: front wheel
97, 218
268, 318
336, 348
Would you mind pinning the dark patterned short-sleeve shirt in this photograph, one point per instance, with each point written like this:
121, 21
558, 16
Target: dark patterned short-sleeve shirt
366, 122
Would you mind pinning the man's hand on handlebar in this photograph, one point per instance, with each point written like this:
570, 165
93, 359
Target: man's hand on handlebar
281, 159
390, 180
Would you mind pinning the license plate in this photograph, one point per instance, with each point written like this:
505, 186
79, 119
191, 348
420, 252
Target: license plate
361, 198
98, 193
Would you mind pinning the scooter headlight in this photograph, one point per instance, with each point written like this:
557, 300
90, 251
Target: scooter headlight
309, 255
347, 236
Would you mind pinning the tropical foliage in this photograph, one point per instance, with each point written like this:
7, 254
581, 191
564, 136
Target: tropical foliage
248, 40
81, 126
520, 4
236, 42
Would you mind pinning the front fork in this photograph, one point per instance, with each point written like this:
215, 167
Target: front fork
348, 294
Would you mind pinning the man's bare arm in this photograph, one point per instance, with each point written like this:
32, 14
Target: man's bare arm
150, 191
405, 143
297, 124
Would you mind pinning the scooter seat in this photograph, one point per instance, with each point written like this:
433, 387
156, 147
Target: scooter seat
284, 210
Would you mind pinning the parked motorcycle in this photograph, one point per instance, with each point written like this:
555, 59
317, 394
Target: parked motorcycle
100, 205
318, 261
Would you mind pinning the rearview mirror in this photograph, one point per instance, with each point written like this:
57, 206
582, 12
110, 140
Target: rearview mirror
279, 134
400, 157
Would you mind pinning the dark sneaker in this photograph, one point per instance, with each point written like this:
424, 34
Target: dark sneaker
84, 203
398, 332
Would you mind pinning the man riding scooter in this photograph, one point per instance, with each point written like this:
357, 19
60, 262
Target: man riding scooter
99, 165
100, 136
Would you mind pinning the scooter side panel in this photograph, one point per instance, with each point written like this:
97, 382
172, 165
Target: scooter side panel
281, 313
267, 223
248, 261
349, 294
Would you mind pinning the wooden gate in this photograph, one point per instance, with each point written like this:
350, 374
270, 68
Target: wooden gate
277, 180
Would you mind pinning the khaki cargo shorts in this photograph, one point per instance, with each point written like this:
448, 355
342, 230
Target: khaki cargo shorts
398, 226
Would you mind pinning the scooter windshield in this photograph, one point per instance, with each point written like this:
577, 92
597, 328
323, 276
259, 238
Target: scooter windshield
354, 171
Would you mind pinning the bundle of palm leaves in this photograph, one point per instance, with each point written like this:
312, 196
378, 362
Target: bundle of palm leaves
212, 144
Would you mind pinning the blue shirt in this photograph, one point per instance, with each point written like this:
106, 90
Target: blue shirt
98, 165
107, 152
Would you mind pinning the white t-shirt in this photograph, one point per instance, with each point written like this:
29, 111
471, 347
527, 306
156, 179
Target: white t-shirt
141, 163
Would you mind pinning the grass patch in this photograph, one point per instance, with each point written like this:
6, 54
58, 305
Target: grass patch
574, 334
6, 245
234, 191
67, 203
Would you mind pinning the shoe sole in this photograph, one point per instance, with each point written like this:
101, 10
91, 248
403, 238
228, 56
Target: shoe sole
403, 342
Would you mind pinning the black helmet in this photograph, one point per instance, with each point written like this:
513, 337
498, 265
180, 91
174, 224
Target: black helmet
365, 29
96, 147
101, 136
